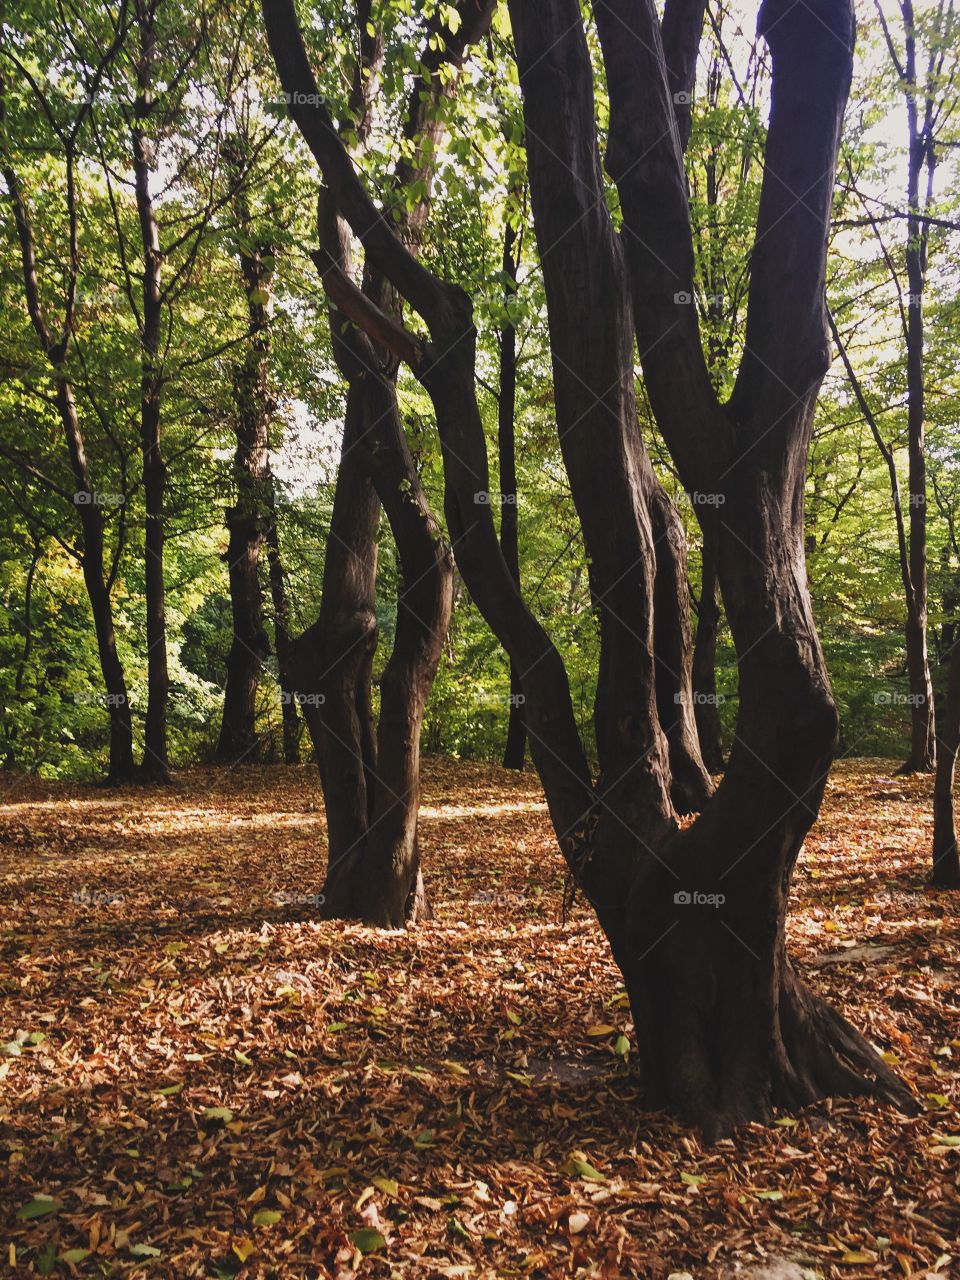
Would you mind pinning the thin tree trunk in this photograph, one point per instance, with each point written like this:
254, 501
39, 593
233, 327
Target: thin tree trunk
248, 519
515, 748
85, 499
281, 634
155, 760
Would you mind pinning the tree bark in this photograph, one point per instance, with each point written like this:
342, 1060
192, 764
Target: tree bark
516, 744
155, 766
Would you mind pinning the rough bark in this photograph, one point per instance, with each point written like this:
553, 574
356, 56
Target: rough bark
726, 1029
515, 748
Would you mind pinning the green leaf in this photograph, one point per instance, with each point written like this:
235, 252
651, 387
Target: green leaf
38, 1208
144, 1251
386, 1185
169, 1090
266, 1217
769, 1195
425, 1138
47, 1260
622, 1047
222, 1114
337, 1026
75, 1255
367, 1240
456, 1228
584, 1169
692, 1179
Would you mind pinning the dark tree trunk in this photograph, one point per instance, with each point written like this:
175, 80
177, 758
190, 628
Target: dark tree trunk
946, 860
516, 744
155, 762
88, 508
727, 1032
281, 634
370, 775
248, 519
921, 155
706, 706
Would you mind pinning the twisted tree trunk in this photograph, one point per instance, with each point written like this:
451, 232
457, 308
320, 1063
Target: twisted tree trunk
694, 916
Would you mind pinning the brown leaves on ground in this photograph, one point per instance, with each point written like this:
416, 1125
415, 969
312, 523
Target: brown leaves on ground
198, 1079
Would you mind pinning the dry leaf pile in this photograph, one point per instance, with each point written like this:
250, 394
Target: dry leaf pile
199, 1079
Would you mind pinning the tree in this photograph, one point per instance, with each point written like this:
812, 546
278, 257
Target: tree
370, 775
55, 339
695, 916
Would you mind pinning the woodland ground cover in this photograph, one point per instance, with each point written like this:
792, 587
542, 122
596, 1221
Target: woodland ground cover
204, 1079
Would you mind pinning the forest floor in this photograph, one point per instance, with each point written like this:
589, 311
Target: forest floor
197, 1079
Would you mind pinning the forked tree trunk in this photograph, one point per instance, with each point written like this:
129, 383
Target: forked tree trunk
516, 744
727, 1031
946, 860
248, 519
371, 774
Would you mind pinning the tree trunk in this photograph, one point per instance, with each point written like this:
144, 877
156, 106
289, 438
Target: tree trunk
155, 762
121, 768
281, 634
85, 499
371, 777
946, 860
706, 703
516, 744
248, 519
726, 1030
923, 740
